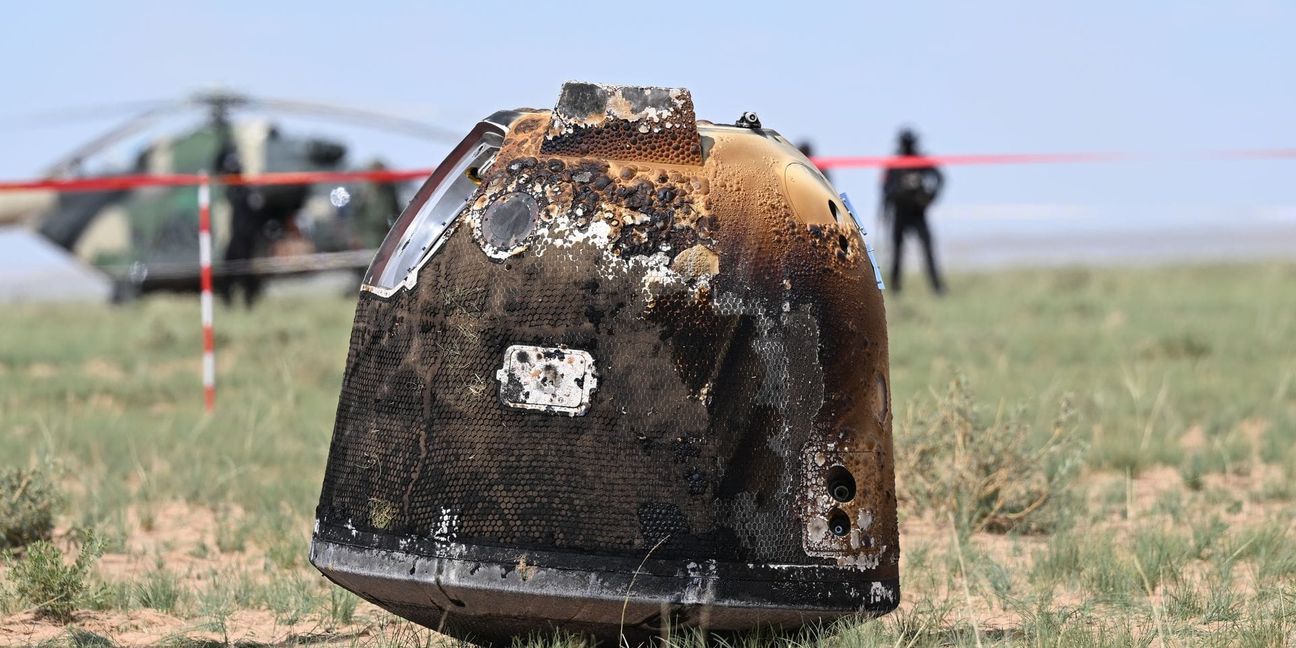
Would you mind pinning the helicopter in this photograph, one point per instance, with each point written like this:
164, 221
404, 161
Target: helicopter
146, 239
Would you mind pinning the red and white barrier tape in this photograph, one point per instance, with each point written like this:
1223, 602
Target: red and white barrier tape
888, 162
1047, 158
205, 278
122, 182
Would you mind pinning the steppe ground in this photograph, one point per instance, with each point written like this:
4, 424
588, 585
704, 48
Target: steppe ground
1086, 457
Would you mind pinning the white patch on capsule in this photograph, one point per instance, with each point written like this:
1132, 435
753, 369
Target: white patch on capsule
554, 380
865, 519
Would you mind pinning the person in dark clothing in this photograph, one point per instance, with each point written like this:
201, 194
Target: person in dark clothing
246, 221
907, 191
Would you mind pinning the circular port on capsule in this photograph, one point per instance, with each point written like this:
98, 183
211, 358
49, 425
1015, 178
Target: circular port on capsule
838, 523
509, 220
841, 484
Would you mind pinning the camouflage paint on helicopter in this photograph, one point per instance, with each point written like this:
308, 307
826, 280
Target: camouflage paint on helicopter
156, 226
616, 369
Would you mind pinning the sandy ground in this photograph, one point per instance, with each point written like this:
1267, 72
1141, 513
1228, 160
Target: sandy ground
183, 538
178, 530
1144, 491
151, 628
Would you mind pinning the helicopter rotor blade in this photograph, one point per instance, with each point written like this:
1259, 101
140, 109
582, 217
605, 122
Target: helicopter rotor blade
63, 116
360, 116
148, 113
114, 135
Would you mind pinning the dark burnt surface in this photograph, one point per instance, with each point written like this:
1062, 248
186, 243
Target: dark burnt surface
421, 432
768, 340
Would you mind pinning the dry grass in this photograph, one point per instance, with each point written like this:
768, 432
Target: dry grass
29, 499
986, 475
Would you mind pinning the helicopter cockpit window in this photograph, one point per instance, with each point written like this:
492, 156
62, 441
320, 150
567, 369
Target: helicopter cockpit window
417, 233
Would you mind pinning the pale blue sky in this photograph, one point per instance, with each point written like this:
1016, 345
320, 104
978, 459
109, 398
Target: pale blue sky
972, 76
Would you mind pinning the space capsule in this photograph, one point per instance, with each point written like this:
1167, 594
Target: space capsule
616, 370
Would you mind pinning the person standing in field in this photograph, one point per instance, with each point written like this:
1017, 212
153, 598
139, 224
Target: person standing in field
908, 190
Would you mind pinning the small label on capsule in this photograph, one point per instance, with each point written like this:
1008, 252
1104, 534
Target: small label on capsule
547, 379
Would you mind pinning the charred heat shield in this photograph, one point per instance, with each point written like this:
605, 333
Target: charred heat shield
616, 369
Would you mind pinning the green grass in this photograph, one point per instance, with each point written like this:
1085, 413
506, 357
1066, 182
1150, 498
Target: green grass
1115, 341
1171, 496
114, 395
29, 499
44, 580
159, 590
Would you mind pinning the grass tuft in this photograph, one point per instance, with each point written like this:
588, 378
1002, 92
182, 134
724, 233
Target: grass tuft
342, 606
78, 638
29, 500
159, 590
990, 476
44, 580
